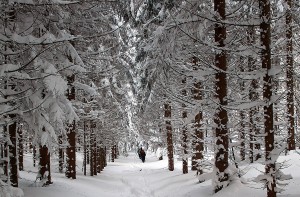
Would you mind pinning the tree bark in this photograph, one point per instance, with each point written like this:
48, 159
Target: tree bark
290, 77
49, 180
242, 132
117, 150
71, 136
253, 96
221, 117
94, 149
112, 154
34, 155
98, 159
20, 147
105, 156
71, 152
102, 151
44, 164
197, 138
184, 146
88, 146
92, 154
184, 133
43, 154
168, 113
12, 128
265, 37
242, 136
60, 154
6, 149
84, 148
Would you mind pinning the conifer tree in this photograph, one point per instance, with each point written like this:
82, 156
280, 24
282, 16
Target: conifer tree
265, 37
221, 117
290, 76
168, 115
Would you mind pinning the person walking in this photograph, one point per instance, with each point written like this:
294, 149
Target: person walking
142, 155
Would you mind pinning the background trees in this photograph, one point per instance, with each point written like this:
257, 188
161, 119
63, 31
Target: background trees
198, 78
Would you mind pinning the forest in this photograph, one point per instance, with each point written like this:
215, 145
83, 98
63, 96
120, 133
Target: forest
210, 85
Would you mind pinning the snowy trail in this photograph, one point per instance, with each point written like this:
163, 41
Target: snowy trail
126, 177
136, 181
138, 185
129, 177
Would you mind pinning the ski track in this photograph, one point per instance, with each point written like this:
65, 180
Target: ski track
126, 177
136, 181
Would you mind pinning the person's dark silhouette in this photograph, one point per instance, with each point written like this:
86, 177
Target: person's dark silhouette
142, 155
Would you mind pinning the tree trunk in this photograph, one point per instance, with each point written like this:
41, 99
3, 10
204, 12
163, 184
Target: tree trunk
221, 117
92, 139
49, 181
88, 152
34, 155
184, 133
168, 113
43, 160
184, 146
242, 132
94, 149
71, 136
12, 128
117, 151
112, 154
102, 151
84, 148
253, 96
44, 164
2, 153
60, 154
71, 152
5, 128
20, 148
6, 150
290, 77
198, 138
105, 159
265, 36
98, 159
242, 136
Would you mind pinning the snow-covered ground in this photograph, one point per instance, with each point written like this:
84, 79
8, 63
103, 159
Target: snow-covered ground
129, 177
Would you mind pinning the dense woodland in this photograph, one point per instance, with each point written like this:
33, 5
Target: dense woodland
198, 78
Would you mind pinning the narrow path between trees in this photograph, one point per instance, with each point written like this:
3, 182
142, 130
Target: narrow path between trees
129, 177
126, 177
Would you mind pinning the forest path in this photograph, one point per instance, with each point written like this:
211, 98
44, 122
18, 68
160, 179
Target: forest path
126, 177
129, 177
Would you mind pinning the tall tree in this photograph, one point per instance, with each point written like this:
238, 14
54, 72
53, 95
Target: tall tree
197, 136
20, 147
265, 37
242, 132
44, 165
12, 128
290, 76
253, 96
221, 117
184, 132
71, 136
168, 115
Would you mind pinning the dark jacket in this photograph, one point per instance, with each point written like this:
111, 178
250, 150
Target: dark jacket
142, 155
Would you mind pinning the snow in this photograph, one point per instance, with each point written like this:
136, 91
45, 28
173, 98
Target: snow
21, 1
88, 89
129, 177
31, 1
